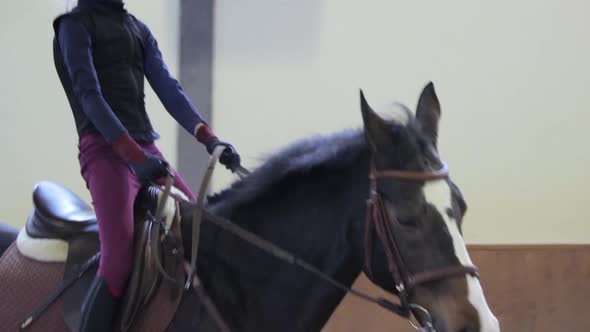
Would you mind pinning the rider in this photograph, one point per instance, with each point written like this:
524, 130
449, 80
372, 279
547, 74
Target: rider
101, 54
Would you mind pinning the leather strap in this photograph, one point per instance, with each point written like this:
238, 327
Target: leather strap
443, 273
441, 173
155, 229
377, 215
197, 214
274, 250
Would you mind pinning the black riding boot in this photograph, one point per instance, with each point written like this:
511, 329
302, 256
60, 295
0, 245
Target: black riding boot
99, 308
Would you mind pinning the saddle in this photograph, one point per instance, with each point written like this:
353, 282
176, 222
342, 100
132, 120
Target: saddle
60, 215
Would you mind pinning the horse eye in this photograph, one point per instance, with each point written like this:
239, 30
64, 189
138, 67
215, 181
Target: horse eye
404, 221
450, 213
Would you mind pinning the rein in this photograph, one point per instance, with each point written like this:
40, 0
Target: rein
290, 258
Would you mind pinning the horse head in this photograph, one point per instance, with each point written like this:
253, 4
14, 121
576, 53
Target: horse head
418, 251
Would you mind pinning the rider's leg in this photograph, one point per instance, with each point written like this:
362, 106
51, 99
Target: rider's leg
113, 189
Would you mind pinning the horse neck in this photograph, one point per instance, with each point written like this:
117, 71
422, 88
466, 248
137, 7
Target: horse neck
317, 219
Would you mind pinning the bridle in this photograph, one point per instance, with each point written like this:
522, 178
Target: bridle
381, 222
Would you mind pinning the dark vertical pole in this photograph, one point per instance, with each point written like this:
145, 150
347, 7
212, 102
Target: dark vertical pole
196, 77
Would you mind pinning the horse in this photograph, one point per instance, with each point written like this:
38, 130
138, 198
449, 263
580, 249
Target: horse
376, 200
8, 235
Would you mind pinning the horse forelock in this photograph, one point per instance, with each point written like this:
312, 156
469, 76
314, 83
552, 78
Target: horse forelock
396, 112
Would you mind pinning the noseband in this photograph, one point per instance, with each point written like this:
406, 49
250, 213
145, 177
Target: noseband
381, 222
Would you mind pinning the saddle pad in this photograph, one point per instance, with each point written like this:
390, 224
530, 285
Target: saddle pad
24, 284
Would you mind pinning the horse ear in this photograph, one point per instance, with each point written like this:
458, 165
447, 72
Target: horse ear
428, 112
377, 131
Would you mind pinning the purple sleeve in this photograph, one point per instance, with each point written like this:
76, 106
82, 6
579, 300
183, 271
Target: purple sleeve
167, 87
76, 48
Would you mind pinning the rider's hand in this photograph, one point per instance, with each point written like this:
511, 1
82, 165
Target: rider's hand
150, 170
145, 166
229, 158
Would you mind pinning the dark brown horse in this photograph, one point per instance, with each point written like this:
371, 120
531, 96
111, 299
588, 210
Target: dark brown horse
7, 237
311, 200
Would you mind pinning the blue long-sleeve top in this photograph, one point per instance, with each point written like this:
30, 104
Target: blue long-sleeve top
76, 47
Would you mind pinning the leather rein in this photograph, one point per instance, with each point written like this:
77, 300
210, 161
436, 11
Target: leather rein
381, 222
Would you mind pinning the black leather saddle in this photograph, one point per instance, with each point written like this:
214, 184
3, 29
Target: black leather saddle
58, 213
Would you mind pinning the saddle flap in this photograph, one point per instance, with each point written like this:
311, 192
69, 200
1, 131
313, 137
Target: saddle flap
145, 288
81, 249
146, 282
142, 281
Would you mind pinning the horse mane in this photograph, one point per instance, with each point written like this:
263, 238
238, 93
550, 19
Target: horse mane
330, 152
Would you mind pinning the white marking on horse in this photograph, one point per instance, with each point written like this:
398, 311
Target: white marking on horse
438, 193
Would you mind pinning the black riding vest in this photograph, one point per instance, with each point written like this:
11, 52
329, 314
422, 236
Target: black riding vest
117, 51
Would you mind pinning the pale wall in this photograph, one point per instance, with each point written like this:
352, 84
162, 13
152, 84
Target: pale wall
37, 133
513, 79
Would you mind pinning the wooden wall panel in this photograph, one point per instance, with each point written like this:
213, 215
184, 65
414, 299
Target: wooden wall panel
530, 288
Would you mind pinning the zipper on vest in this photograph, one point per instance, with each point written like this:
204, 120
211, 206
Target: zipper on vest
135, 59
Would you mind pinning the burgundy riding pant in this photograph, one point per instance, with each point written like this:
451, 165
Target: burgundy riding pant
113, 189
